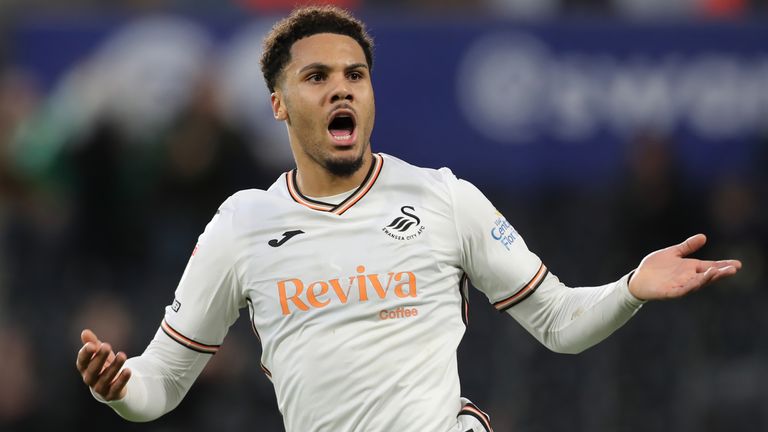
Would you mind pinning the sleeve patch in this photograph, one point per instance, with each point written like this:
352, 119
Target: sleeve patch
503, 232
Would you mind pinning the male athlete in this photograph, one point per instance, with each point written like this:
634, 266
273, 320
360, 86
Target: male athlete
354, 267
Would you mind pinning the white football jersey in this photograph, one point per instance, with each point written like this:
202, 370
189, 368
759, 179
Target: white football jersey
359, 305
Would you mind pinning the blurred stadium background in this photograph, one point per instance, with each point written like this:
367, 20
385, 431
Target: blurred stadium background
603, 129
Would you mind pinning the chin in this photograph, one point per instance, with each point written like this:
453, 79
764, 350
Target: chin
344, 166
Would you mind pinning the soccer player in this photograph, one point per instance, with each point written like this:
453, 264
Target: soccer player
354, 267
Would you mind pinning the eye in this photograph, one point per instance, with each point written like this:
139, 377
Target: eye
316, 77
355, 76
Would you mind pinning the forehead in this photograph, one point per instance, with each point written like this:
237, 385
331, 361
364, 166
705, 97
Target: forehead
326, 48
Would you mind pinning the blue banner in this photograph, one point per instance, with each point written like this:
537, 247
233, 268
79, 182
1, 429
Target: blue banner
499, 102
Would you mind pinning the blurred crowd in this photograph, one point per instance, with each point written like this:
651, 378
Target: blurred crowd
511, 8
97, 221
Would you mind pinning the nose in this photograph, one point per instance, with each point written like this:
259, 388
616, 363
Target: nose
341, 92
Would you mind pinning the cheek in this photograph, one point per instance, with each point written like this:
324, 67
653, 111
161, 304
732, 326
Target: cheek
373, 108
372, 114
372, 98
297, 104
301, 115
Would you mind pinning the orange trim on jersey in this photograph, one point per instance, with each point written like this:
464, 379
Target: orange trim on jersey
293, 189
187, 342
527, 290
378, 163
464, 292
370, 179
265, 370
471, 409
256, 332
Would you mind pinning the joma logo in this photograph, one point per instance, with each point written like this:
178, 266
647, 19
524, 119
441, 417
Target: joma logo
319, 294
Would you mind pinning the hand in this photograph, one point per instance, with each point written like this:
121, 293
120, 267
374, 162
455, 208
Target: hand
667, 274
99, 367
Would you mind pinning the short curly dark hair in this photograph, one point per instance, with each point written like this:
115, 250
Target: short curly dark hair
307, 21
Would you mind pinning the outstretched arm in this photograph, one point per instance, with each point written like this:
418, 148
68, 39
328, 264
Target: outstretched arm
570, 320
149, 385
207, 301
667, 273
565, 319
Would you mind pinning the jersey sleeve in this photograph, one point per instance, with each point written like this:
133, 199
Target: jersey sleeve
493, 254
570, 320
208, 298
160, 378
497, 261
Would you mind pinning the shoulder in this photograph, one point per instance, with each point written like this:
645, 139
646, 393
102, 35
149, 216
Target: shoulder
441, 185
429, 177
244, 199
249, 205
249, 199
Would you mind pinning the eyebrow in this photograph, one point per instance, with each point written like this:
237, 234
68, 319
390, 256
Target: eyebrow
324, 67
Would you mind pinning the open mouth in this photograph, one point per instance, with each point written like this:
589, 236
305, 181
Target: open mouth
342, 128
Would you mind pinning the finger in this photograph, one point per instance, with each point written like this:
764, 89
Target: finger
707, 276
702, 266
117, 386
111, 368
108, 374
110, 358
84, 356
88, 336
713, 273
91, 374
704, 278
691, 245
736, 264
724, 272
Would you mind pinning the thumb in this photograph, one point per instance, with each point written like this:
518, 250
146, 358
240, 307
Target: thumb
88, 336
691, 245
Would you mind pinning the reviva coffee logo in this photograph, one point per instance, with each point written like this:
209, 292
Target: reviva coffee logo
298, 295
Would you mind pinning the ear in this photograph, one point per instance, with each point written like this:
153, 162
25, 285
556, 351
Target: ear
278, 108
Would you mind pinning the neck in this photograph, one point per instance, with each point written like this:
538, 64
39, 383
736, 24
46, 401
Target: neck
315, 180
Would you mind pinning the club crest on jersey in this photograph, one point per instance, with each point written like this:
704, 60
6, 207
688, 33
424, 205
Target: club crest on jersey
406, 226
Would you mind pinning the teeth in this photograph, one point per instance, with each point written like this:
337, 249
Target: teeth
343, 137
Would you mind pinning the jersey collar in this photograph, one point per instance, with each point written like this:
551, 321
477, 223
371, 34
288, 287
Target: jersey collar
365, 186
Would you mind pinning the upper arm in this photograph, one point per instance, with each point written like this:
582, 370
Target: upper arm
494, 255
208, 297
